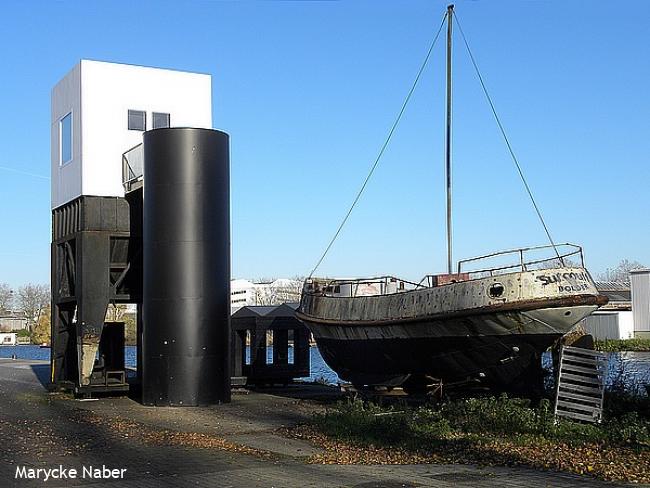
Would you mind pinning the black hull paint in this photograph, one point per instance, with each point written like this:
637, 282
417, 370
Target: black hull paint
494, 360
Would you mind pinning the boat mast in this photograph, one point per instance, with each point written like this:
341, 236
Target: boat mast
450, 14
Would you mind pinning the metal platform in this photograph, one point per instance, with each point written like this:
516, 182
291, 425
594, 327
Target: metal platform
257, 359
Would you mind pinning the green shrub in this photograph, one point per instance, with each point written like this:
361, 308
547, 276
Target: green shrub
628, 429
367, 423
430, 423
501, 415
575, 433
617, 345
421, 428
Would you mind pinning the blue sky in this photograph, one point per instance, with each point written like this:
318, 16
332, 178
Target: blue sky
308, 91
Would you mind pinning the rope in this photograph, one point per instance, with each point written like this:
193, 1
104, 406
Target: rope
383, 147
505, 138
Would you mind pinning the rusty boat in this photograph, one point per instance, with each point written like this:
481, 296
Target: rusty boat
487, 320
489, 326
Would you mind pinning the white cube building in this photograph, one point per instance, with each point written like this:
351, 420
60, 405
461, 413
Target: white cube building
100, 110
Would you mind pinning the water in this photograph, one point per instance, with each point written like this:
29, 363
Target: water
631, 368
319, 370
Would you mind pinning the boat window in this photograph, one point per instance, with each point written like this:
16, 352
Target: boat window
337, 289
496, 290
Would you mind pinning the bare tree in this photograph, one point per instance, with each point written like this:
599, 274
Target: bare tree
556, 263
278, 292
620, 273
6, 297
264, 295
32, 300
290, 290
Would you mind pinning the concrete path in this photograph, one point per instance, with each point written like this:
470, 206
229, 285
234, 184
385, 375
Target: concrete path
198, 447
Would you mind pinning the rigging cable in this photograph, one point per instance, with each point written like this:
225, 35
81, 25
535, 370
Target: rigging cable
383, 148
505, 138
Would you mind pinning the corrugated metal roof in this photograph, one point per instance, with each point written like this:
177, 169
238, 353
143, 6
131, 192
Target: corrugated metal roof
283, 310
618, 293
612, 286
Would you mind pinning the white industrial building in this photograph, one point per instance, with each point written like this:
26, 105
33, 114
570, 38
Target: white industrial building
8, 339
627, 315
242, 294
100, 110
610, 324
12, 320
247, 293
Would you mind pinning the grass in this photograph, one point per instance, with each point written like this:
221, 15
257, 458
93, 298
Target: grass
499, 431
619, 345
365, 423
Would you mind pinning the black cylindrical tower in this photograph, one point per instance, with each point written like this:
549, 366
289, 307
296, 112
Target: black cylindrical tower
186, 267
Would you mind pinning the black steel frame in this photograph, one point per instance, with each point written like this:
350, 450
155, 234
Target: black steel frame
96, 260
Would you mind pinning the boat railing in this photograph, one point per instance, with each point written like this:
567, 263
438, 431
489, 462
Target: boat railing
380, 285
521, 260
133, 168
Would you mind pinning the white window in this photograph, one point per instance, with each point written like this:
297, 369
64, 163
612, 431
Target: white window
160, 120
65, 139
137, 120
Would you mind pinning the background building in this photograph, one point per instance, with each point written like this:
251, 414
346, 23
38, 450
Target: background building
8, 339
248, 293
627, 315
640, 284
12, 320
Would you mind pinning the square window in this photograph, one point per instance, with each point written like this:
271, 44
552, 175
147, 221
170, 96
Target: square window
160, 120
137, 120
65, 138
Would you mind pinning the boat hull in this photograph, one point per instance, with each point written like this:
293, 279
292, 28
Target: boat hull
390, 362
499, 342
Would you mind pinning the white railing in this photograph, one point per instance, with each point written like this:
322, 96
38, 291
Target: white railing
524, 259
513, 260
381, 285
133, 168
